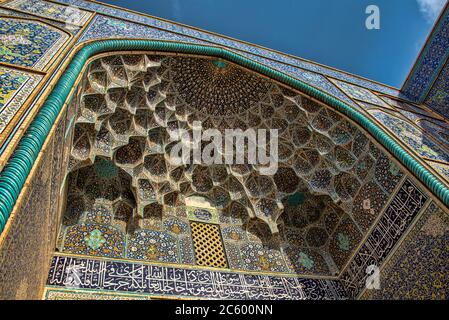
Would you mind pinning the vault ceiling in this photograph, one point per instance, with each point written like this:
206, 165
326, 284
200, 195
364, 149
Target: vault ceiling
332, 180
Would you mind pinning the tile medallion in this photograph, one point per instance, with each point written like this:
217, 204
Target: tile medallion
417, 111
207, 215
28, 43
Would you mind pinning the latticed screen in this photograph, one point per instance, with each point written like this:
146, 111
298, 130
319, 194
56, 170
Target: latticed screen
209, 250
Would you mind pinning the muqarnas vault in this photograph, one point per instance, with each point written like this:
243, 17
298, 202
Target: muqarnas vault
91, 207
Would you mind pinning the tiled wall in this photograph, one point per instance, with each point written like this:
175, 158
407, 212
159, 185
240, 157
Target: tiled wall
29, 240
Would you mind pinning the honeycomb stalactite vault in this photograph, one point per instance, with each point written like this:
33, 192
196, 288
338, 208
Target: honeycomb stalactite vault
306, 218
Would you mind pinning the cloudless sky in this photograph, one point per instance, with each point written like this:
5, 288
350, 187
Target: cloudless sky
331, 32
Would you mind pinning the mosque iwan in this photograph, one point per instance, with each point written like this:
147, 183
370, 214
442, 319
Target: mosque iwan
141, 158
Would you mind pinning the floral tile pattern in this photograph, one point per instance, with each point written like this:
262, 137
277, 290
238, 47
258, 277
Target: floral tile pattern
70, 28
15, 88
438, 129
108, 27
51, 10
441, 168
415, 139
29, 43
359, 93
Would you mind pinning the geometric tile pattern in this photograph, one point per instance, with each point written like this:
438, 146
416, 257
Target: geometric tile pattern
398, 216
29, 43
108, 27
411, 124
15, 87
438, 129
412, 112
299, 249
209, 250
146, 279
418, 269
359, 93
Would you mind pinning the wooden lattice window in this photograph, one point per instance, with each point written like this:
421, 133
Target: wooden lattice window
209, 250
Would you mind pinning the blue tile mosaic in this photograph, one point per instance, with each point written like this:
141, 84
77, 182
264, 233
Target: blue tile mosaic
438, 98
414, 138
417, 269
430, 61
15, 88
107, 27
29, 43
51, 10
441, 168
72, 29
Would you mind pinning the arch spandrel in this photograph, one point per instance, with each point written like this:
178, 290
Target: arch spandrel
30, 43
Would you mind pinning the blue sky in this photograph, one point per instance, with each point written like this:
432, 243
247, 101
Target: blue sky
331, 32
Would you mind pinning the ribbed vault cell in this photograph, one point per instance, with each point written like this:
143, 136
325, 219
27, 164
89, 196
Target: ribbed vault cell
130, 103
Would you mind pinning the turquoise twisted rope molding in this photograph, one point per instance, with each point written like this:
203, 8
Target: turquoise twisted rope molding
14, 174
